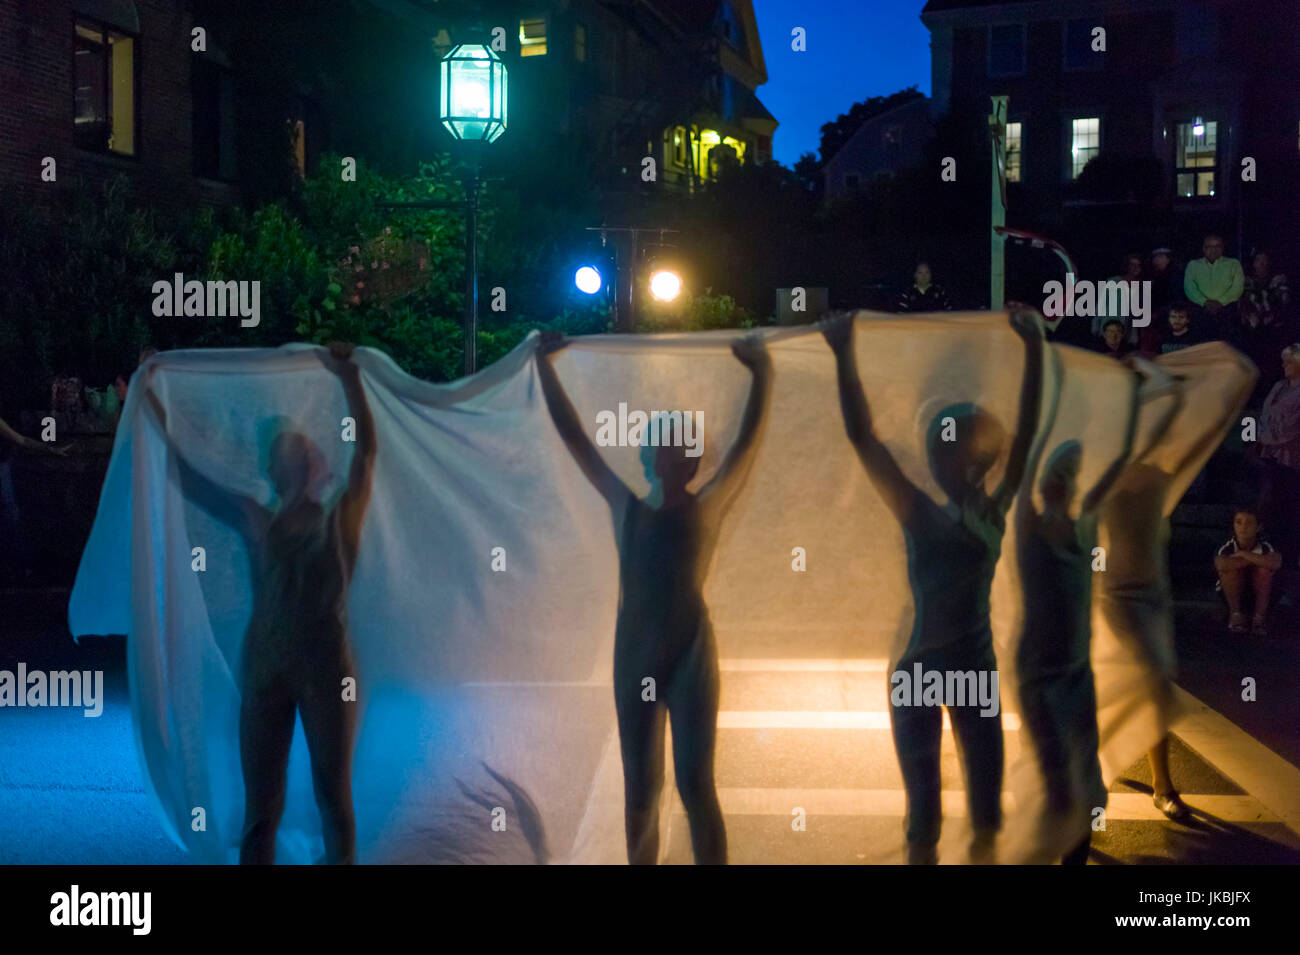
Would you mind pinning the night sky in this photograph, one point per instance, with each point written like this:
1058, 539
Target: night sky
856, 49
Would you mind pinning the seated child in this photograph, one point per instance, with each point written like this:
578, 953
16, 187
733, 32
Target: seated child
1246, 558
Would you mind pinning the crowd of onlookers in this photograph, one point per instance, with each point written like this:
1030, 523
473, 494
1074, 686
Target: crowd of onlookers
1211, 298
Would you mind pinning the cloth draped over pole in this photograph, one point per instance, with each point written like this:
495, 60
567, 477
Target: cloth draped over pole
483, 602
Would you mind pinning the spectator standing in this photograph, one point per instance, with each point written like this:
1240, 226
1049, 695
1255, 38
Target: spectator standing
1133, 269
1279, 448
1264, 325
924, 295
1266, 299
1215, 282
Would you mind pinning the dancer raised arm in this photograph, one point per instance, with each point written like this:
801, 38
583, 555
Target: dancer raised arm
352, 504
238, 511
569, 425
898, 492
731, 473
1029, 327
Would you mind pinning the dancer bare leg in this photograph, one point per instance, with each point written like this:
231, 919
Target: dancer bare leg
952, 555
663, 650
295, 652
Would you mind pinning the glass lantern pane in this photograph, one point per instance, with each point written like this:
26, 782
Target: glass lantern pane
469, 89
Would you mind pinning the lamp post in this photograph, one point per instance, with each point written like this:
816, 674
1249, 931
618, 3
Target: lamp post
473, 109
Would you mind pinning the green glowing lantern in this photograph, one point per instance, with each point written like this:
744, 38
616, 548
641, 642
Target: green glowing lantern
473, 93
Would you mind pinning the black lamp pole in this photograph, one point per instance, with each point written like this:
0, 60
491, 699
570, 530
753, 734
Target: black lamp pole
471, 267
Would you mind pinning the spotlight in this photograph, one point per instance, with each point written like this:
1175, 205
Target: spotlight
665, 285
588, 280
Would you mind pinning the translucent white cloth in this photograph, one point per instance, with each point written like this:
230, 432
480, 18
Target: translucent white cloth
483, 688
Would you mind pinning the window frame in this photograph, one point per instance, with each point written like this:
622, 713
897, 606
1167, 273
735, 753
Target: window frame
544, 42
1195, 171
137, 132
221, 71
1019, 150
1024, 51
1071, 118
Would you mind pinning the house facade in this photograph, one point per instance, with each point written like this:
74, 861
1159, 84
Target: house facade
109, 87
617, 82
1207, 87
92, 89
882, 146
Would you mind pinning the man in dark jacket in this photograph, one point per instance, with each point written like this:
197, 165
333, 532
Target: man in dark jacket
923, 295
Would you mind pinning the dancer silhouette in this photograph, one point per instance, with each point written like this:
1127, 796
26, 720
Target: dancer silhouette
1137, 596
952, 552
296, 651
1058, 699
665, 545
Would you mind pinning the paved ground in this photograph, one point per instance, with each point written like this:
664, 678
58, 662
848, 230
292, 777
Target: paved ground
811, 733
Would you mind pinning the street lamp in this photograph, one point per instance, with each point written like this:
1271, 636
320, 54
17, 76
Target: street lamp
473, 110
473, 93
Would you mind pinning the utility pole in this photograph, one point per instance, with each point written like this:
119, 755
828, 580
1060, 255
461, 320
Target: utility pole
998, 203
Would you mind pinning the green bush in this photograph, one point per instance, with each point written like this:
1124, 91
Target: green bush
78, 297
694, 313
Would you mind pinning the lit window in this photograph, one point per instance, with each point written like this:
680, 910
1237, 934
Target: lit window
1196, 144
1085, 142
1079, 54
580, 43
1013, 152
679, 146
298, 138
1007, 50
104, 95
532, 37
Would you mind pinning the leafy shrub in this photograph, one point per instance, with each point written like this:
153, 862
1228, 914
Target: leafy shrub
695, 313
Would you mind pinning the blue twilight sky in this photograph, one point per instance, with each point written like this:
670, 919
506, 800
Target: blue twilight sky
856, 49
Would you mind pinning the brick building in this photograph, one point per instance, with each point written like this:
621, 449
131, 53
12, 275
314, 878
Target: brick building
105, 87
1200, 85
108, 87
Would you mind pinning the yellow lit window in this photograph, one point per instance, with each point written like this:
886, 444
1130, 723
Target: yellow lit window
532, 37
679, 146
104, 89
1013, 152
